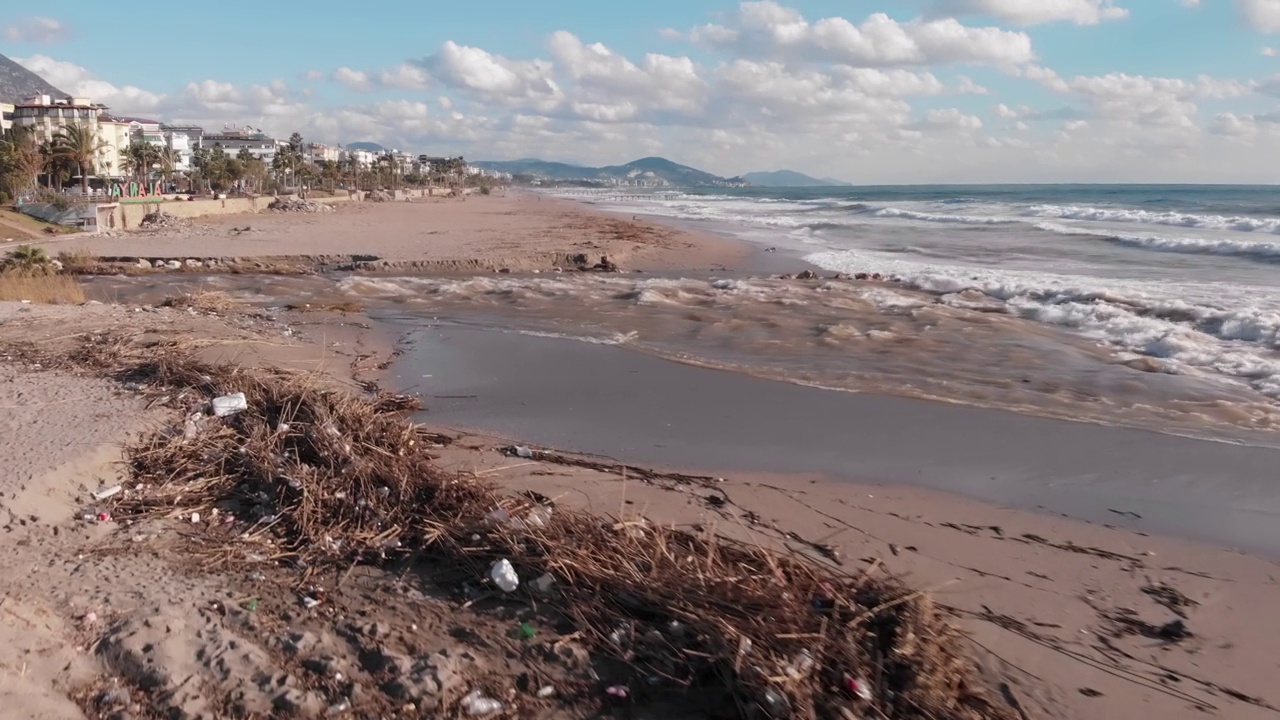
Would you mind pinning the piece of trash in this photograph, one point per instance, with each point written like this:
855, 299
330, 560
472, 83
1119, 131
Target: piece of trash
251, 604
195, 518
89, 618
859, 687
619, 691
543, 584
521, 451
309, 602
104, 517
477, 704
538, 517
546, 691
800, 665
524, 631
105, 493
775, 705
230, 404
338, 708
504, 576
282, 428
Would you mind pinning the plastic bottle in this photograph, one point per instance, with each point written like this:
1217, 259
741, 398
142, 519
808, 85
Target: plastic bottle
479, 705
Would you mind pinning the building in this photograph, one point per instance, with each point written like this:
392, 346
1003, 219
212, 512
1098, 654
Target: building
183, 140
316, 153
48, 116
115, 136
6, 116
362, 158
232, 140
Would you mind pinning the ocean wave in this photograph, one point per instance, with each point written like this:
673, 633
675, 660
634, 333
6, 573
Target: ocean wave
1264, 251
1176, 219
1215, 330
892, 212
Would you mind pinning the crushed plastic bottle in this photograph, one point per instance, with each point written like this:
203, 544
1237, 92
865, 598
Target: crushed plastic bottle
523, 452
479, 705
504, 576
538, 517
543, 584
230, 404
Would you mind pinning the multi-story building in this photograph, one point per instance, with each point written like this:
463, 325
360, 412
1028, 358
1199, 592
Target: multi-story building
363, 158
232, 140
48, 116
6, 116
183, 140
316, 153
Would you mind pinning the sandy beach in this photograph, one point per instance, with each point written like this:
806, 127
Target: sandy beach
1091, 570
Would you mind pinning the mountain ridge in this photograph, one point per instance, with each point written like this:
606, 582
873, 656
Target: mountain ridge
647, 171
789, 178
18, 83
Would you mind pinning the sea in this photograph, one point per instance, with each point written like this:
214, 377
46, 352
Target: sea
1148, 306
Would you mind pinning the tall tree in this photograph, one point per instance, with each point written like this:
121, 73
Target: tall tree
81, 145
140, 158
21, 161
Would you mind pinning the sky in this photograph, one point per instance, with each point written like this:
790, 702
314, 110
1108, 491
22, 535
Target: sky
910, 91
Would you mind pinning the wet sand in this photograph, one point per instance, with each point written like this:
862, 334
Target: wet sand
602, 399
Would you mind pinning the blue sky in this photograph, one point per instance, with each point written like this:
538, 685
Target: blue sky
906, 91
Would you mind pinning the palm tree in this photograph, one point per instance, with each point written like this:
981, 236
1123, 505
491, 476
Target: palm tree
169, 160
140, 157
26, 259
81, 145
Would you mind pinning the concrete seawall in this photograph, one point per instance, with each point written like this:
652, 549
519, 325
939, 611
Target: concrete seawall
128, 214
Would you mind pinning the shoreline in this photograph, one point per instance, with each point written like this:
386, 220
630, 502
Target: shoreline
1030, 594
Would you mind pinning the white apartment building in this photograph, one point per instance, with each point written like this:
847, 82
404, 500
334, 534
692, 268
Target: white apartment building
183, 140
233, 139
316, 153
48, 116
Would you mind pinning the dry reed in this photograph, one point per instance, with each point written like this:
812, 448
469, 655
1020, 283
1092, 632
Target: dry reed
210, 301
48, 289
333, 479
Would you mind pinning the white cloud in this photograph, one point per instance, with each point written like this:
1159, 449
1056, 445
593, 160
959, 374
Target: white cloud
1262, 15
1189, 3
950, 119
494, 78
406, 76
315, 75
1270, 51
768, 30
1036, 12
41, 30
352, 79
80, 82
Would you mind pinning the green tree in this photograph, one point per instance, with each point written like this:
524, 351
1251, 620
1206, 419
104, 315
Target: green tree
21, 161
81, 145
140, 158
27, 260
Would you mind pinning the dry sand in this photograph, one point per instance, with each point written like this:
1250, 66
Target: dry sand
1068, 620
518, 231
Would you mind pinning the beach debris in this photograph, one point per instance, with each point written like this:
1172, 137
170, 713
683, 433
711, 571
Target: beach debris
378, 196
504, 576
230, 404
858, 687
477, 704
775, 705
520, 451
546, 691
107, 492
543, 584
621, 692
338, 708
807, 275
195, 518
104, 517
523, 631
299, 206
800, 665
160, 219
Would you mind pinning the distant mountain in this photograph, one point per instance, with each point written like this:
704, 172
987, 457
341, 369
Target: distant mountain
370, 146
788, 178
18, 83
650, 171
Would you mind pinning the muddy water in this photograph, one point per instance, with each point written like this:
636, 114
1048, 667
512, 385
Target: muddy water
836, 334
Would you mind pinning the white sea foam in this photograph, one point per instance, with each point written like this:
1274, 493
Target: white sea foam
1213, 329
1184, 245
893, 212
1177, 219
